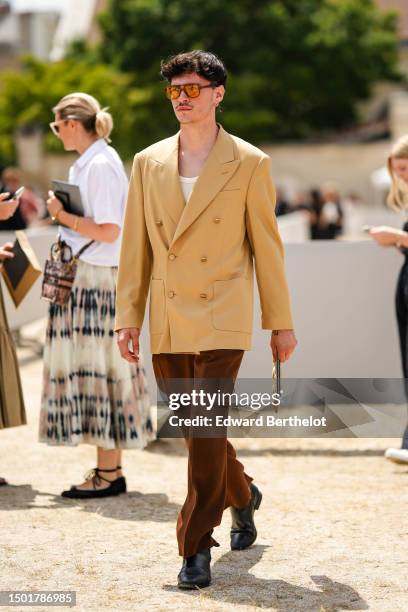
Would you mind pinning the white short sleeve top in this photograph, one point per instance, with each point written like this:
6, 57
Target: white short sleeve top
102, 181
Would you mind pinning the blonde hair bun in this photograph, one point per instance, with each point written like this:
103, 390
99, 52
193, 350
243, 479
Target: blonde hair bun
86, 109
103, 123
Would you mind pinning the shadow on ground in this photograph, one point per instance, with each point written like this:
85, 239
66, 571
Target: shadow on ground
133, 506
176, 447
309, 452
233, 583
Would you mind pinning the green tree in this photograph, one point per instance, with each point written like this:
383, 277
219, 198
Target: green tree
296, 66
27, 99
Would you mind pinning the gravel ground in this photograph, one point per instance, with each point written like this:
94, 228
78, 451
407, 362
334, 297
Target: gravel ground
332, 527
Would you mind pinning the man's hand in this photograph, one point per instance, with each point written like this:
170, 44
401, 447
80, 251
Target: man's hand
283, 344
6, 251
128, 343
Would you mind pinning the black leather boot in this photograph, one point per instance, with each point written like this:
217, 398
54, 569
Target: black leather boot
243, 530
195, 571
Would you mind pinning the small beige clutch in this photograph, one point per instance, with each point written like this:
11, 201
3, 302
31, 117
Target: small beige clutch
21, 272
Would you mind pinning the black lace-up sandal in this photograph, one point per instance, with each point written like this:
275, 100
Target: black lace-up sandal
121, 481
115, 486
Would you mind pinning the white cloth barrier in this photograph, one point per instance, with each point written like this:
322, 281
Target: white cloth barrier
343, 307
343, 304
294, 227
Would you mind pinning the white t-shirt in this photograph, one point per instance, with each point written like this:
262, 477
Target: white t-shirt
102, 181
187, 184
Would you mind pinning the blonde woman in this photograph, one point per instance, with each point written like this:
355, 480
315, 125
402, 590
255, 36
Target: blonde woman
389, 236
90, 395
12, 411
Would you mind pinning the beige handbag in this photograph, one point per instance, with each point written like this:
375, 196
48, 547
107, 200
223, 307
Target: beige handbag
59, 272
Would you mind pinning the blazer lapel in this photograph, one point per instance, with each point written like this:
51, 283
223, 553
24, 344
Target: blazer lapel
166, 177
219, 167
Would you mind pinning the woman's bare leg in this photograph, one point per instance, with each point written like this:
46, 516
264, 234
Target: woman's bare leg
106, 460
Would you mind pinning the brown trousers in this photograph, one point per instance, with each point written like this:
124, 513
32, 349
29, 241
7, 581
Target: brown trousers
216, 479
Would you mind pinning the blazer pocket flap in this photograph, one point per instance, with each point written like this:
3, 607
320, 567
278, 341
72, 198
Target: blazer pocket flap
232, 305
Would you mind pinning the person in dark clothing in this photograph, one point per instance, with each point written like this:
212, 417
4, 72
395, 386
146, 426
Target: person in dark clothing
282, 205
16, 220
326, 212
315, 208
389, 236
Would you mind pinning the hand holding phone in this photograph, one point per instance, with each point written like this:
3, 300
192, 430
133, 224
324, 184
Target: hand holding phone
17, 194
7, 206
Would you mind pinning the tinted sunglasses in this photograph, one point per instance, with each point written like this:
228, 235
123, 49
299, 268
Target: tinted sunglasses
54, 125
192, 90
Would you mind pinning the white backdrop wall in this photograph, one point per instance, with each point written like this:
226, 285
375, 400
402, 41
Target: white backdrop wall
343, 305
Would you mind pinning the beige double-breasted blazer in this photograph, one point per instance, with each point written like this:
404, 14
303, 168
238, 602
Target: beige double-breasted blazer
197, 258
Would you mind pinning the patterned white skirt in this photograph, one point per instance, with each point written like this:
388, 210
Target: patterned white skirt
90, 394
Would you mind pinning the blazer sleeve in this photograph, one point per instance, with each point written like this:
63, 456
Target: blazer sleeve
135, 264
267, 249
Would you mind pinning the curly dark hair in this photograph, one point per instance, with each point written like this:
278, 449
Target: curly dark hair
203, 63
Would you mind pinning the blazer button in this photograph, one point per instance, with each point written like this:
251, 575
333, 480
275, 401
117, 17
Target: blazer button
172, 256
171, 294
203, 259
159, 222
217, 220
203, 296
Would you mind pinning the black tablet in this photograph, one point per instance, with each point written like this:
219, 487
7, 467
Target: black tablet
70, 197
